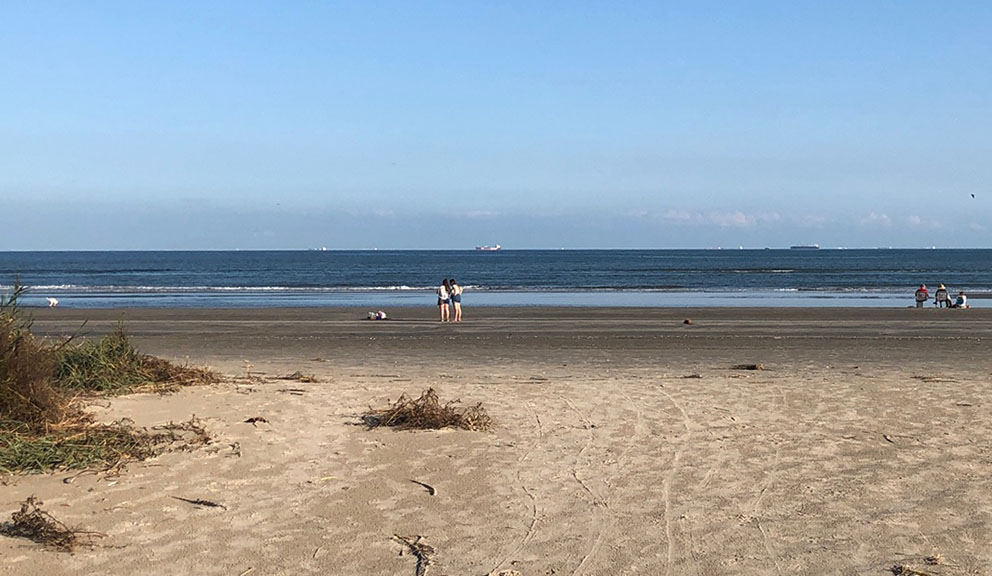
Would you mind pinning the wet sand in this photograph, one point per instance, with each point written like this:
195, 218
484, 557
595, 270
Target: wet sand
626, 443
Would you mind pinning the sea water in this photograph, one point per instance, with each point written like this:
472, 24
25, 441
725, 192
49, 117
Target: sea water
381, 279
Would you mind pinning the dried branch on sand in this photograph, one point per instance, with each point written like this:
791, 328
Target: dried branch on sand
422, 551
201, 502
427, 413
901, 570
747, 367
430, 489
35, 524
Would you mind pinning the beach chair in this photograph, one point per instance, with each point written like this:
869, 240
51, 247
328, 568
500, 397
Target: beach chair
940, 299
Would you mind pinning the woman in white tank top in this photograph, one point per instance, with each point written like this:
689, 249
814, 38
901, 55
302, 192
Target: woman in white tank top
443, 297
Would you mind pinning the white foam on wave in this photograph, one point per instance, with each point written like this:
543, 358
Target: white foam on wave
117, 289
45, 287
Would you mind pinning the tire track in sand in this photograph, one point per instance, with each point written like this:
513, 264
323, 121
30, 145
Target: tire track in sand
670, 480
597, 502
755, 506
632, 440
596, 499
532, 528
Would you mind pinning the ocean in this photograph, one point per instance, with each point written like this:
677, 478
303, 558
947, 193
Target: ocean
383, 279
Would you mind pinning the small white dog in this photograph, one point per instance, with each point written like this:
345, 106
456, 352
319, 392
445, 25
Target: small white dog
52, 302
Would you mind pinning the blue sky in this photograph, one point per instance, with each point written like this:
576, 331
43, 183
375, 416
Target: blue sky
179, 125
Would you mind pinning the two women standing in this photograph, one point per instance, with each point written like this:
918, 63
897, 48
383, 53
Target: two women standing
449, 292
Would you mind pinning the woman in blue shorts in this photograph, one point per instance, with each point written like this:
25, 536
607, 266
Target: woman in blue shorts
456, 299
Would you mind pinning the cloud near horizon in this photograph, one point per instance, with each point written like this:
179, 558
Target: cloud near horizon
720, 218
874, 219
26, 225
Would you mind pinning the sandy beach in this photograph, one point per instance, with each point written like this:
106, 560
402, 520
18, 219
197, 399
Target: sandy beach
626, 443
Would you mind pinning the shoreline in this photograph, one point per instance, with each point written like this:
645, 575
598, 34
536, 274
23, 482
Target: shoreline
413, 298
428, 312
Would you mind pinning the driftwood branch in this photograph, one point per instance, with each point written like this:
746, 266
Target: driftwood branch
422, 551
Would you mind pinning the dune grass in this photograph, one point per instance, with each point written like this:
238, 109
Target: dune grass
42, 424
113, 366
29, 401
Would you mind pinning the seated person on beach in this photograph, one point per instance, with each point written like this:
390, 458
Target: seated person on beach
961, 301
940, 298
922, 295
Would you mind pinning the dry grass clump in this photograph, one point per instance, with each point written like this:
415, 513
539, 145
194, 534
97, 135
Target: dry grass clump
112, 365
180, 435
35, 524
27, 399
164, 373
427, 413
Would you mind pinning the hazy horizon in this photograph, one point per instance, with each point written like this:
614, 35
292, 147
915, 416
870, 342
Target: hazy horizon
796, 247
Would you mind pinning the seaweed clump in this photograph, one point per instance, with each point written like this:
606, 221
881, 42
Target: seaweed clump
38, 526
427, 413
83, 444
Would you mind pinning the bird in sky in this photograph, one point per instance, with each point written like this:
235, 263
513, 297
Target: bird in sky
972, 195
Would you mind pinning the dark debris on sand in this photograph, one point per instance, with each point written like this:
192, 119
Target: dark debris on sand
38, 526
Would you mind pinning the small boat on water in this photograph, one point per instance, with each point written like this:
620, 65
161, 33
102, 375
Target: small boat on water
488, 248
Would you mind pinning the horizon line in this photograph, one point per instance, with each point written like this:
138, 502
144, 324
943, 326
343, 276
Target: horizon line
797, 248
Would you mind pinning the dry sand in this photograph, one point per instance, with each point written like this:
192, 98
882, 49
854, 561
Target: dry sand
625, 444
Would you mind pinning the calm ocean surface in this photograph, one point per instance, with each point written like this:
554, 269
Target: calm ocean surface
382, 279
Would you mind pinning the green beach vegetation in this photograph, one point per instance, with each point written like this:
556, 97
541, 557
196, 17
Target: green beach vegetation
43, 387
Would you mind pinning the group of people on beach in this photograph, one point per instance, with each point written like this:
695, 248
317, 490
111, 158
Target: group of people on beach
449, 295
940, 298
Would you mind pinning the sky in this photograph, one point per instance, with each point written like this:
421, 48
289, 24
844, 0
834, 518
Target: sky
445, 125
